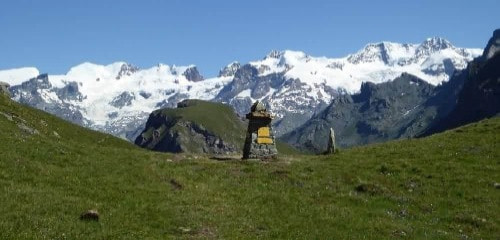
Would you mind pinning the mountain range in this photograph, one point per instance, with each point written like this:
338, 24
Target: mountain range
407, 106
117, 98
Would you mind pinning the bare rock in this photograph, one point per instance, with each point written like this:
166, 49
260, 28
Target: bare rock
331, 142
493, 46
192, 74
25, 128
4, 89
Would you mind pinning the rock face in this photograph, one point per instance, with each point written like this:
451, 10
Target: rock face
294, 108
229, 70
479, 97
378, 113
192, 74
126, 70
195, 126
38, 92
260, 141
493, 46
122, 100
409, 106
4, 89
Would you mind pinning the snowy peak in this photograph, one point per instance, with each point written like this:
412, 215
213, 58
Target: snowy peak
88, 71
274, 54
402, 54
285, 57
279, 61
434, 60
126, 70
432, 45
18, 75
229, 70
436, 44
386, 52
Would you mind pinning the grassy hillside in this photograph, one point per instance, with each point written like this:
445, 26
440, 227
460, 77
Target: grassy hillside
182, 129
441, 187
215, 117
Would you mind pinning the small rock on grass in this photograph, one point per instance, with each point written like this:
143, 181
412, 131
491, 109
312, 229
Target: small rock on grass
90, 215
175, 184
184, 229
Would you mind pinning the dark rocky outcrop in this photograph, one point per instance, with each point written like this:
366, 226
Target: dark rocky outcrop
493, 46
122, 100
479, 97
195, 126
378, 113
192, 74
69, 92
126, 70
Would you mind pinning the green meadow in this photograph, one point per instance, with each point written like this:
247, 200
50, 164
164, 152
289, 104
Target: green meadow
445, 186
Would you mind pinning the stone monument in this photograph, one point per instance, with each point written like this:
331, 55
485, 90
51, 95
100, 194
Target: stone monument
331, 142
260, 142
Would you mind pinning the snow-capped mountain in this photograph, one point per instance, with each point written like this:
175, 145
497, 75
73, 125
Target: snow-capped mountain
18, 75
433, 60
296, 85
117, 98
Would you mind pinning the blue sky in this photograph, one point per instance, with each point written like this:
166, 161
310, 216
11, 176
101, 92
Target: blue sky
56, 35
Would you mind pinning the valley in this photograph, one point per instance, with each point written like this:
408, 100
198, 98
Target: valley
444, 186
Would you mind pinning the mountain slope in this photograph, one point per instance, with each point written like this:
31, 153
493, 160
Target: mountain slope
380, 112
480, 95
117, 98
195, 126
441, 187
297, 86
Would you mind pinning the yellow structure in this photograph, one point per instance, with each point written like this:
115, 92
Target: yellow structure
264, 136
263, 132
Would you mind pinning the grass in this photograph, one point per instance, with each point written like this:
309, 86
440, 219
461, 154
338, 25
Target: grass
218, 118
440, 187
